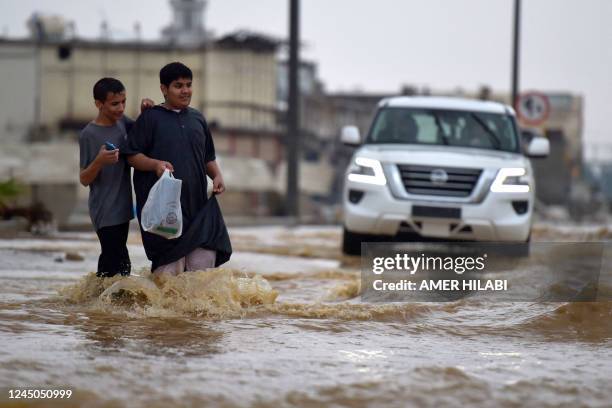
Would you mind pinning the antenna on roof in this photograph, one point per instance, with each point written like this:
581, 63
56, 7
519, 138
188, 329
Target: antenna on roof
138, 31
104, 31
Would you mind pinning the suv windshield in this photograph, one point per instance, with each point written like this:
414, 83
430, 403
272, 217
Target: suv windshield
445, 127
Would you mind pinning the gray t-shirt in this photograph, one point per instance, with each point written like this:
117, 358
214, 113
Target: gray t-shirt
110, 194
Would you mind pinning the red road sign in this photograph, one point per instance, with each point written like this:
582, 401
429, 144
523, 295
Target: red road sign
533, 108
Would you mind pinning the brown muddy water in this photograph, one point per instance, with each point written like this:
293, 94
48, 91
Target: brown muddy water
282, 325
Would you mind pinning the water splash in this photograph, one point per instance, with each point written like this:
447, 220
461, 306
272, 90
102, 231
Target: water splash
219, 293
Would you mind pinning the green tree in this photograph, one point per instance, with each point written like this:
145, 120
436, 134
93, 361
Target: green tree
8, 190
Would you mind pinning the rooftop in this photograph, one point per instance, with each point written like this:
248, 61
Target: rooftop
243, 40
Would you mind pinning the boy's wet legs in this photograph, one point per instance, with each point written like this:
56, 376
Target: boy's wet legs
114, 258
199, 259
173, 268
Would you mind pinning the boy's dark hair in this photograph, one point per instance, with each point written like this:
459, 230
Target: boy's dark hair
105, 86
174, 71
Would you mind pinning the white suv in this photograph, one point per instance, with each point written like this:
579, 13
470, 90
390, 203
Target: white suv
443, 168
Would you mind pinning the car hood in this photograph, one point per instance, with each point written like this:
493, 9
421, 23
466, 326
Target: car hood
444, 156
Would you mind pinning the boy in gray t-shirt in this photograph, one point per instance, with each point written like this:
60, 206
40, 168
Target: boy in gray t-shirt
108, 176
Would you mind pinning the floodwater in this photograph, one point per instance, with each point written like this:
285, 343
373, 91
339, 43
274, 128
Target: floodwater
282, 325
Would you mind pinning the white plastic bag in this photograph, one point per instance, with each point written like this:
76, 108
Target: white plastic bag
162, 213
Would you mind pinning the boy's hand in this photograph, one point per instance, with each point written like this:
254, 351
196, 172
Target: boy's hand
145, 104
162, 166
105, 157
218, 185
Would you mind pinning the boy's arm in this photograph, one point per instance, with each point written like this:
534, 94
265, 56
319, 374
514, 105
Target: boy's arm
104, 157
142, 162
146, 103
214, 172
210, 163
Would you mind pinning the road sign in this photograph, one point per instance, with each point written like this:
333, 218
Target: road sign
533, 108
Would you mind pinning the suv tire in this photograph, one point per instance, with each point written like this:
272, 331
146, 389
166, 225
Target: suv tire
351, 241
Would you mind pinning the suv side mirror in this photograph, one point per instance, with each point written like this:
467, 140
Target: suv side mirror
350, 135
539, 147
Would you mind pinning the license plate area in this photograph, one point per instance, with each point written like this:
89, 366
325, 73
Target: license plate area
436, 212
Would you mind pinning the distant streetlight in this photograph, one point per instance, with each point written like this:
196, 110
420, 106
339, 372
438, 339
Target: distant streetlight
515, 52
293, 120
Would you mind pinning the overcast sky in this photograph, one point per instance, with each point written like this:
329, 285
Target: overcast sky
377, 45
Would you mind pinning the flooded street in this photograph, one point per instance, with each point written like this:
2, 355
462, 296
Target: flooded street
206, 339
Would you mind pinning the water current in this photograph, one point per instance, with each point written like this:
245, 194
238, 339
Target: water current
282, 325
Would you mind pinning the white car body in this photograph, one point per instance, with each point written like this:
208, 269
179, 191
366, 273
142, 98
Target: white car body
392, 204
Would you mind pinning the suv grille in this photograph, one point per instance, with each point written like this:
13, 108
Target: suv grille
440, 181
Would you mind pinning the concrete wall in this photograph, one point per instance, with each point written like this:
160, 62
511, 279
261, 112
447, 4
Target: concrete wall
236, 88
18, 90
51, 173
67, 84
241, 88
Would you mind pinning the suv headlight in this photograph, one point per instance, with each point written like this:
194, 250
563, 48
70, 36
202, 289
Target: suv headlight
511, 180
367, 171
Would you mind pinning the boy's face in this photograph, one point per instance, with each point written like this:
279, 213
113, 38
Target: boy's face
178, 94
114, 105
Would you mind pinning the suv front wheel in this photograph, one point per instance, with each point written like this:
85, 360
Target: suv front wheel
351, 241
